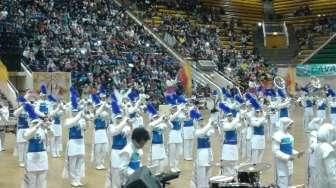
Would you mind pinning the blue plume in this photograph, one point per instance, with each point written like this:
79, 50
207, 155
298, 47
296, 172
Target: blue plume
102, 89
170, 99
234, 112
281, 93
133, 95
255, 103
115, 107
305, 89
74, 92
151, 109
224, 90
239, 99
224, 108
113, 97
21, 99
43, 89
228, 95
30, 110
194, 114
95, 99
74, 102
248, 96
51, 98
181, 99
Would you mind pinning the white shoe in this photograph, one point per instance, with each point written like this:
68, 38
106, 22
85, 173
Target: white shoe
54, 156
80, 184
177, 169
74, 184
102, 167
21, 165
188, 159
173, 170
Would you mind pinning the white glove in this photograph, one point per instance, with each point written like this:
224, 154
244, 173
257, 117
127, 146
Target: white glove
126, 130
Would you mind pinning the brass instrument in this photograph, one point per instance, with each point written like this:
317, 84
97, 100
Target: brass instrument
279, 82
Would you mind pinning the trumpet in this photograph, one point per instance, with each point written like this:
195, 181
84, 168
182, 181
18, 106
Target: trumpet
279, 82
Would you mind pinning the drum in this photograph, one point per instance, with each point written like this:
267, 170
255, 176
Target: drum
249, 177
217, 180
235, 185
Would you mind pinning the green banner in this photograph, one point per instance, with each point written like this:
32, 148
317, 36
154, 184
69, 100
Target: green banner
308, 70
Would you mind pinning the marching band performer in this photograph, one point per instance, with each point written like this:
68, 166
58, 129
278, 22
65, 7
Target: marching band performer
130, 156
332, 106
202, 166
321, 105
119, 130
56, 138
308, 106
272, 111
284, 105
325, 159
229, 130
188, 133
175, 134
158, 158
74, 166
258, 122
4, 115
100, 140
283, 149
133, 107
22, 126
312, 129
36, 167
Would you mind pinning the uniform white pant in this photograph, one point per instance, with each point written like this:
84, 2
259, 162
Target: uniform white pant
312, 177
76, 164
307, 117
201, 177
284, 181
21, 151
113, 179
175, 151
333, 120
228, 168
247, 150
187, 148
257, 155
56, 145
99, 154
2, 140
159, 165
37, 179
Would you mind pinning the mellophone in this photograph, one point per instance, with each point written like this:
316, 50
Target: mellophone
248, 176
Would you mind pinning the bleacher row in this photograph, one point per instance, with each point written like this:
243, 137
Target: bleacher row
325, 55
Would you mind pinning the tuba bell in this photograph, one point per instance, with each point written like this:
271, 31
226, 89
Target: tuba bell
279, 82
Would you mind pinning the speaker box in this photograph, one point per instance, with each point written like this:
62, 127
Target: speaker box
142, 178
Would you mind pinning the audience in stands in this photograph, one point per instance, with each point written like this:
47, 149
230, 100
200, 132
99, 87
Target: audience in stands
303, 11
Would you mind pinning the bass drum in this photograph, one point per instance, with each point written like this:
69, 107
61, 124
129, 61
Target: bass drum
235, 185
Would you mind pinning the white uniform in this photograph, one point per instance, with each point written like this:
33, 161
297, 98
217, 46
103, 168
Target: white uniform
332, 105
274, 118
247, 133
100, 141
56, 138
36, 159
258, 138
3, 119
74, 167
158, 150
188, 136
308, 110
321, 108
175, 140
130, 160
325, 160
120, 134
229, 155
22, 126
202, 166
283, 149
43, 107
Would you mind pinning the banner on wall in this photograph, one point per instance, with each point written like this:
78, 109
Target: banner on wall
318, 70
58, 83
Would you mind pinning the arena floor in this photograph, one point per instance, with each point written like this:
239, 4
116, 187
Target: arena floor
11, 175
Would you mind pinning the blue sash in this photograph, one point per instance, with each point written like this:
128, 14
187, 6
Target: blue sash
157, 136
188, 123
283, 112
286, 146
333, 110
22, 122
132, 115
99, 123
119, 141
135, 161
35, 145
176, 125
57, 120
322, 107
43, 107
75, 132
309, 103
258, 130
203, 142
230, 137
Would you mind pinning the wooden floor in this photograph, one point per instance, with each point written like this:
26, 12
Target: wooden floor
11, 175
